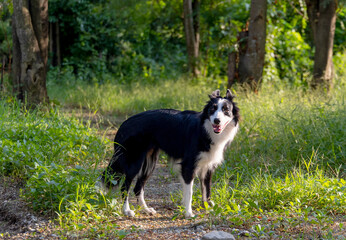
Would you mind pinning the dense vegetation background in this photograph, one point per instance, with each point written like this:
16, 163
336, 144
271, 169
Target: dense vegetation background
109, 59
125, 41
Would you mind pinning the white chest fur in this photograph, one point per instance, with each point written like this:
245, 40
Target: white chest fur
214, 157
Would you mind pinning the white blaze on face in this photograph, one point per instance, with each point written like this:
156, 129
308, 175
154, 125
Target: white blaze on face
222, 119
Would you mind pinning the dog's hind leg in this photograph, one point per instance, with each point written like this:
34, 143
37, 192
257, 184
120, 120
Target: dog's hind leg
147, 169
131, 168
187, 182
125, 190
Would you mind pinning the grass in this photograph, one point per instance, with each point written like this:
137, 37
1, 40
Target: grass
57, 158
284, 174
128, 99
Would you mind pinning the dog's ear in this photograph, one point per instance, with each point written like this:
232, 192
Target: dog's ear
215, 94
229, 95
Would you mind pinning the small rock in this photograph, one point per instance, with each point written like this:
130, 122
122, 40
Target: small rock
218, 235
199, 228
244, 233
31, 229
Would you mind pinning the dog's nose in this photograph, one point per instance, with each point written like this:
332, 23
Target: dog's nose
216, 121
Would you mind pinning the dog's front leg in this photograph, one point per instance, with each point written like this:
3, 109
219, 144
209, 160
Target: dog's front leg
206, 187
187, 198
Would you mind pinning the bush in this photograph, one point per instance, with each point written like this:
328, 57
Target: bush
52, 153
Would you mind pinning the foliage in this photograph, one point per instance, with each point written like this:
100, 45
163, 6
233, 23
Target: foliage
220, 24
109, 40
339, 40
133, 40
57, 158
6, 9
285, 128
285, 167
288, 51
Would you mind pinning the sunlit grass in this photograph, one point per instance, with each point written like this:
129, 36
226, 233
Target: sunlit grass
287, 163
132, 98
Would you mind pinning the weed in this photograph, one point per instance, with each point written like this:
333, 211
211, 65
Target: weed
284, 173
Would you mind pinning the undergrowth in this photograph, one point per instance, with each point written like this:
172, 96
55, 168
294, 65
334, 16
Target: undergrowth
57, 158
284, 171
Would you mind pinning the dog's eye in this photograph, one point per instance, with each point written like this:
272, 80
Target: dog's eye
214, 107
225, 108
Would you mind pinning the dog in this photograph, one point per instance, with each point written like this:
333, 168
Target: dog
195, 141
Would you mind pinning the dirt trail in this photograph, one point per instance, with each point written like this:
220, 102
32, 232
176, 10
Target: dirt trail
17, 221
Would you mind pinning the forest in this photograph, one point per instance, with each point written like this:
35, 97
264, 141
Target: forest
73, 70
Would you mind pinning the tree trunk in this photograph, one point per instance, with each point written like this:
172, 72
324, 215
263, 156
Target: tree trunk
30, 50
57, 37
322, 17
191, 26
231, 68
252, 62
54, 43
2, 73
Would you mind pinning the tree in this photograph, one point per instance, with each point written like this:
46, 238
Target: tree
252, 61
322, 17
191, 26
30, 50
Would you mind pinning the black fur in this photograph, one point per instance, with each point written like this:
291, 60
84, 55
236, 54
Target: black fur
180, 134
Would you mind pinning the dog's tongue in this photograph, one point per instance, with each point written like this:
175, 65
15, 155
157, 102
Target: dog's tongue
217, 128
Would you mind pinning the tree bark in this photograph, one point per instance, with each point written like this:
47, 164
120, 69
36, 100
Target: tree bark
252, 62
30, 50
2, 73
57, 37
231, 68
322, 17
54, 43
191, 26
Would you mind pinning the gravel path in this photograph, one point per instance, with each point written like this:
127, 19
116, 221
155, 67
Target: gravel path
17, 221
161, 225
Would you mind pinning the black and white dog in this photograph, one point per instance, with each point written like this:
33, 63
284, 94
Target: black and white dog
194, 140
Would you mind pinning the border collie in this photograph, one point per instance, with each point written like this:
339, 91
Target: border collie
194, 140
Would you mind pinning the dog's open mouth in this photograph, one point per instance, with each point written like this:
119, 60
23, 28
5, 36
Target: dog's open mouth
217, 128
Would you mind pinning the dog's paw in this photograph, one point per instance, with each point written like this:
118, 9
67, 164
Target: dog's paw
150, 211
189, 214
129, 213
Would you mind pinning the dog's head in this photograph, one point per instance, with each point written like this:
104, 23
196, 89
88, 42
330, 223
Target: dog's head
221, 111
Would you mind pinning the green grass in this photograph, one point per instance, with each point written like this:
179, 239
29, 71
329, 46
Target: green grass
128, 99
57, 158
285, 169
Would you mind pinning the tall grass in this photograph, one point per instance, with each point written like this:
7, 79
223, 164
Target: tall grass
286, 129
57, 158
287, 163
128, 99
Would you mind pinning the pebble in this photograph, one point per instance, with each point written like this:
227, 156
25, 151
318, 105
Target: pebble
218, 235
199, 228
244, 233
